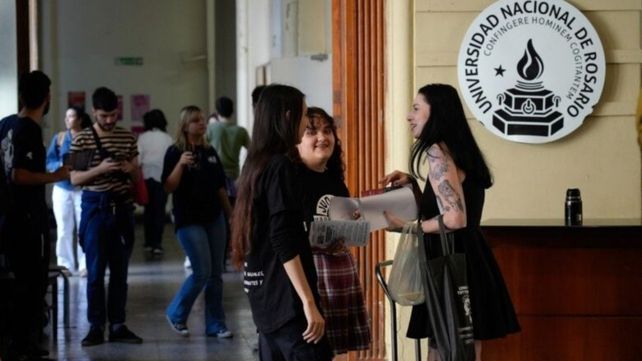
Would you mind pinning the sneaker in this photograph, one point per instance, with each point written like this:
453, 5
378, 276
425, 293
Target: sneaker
157, 251
222, 333
179, 328
94, 337
148, 249
124, 335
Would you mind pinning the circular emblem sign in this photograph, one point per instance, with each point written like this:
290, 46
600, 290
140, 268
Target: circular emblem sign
531, 71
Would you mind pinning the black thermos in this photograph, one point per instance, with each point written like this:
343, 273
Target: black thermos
573, 207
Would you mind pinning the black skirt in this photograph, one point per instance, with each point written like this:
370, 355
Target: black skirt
492, 308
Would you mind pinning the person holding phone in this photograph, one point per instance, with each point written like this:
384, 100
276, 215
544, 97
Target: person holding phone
107, 218
193, 173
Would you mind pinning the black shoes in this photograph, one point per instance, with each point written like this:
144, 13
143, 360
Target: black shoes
124, 335
119, 334
94, 337
154, 250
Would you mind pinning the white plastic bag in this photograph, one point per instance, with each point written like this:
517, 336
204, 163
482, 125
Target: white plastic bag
405, 282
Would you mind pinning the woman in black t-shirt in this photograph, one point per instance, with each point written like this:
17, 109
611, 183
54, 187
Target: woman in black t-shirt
192, 171
269, 238
342, 301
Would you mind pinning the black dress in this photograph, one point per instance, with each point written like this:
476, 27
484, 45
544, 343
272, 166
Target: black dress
493, 312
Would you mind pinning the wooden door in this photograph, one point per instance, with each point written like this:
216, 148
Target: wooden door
24, 29
358, 97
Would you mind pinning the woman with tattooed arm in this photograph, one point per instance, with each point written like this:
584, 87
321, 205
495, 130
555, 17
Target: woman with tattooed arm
457, 179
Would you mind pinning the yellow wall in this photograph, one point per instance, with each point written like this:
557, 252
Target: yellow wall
602, 157
399, 92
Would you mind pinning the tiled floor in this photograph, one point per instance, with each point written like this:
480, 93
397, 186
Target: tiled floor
152, 284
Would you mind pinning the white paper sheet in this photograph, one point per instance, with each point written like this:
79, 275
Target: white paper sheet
400, 202
353, 233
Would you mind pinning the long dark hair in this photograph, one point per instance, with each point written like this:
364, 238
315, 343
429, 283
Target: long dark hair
447, 123
85, 119
276, 131
155, 118
335, 164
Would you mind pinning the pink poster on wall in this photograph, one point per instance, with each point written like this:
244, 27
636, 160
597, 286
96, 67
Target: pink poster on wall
139, 106
120, 108
76, 99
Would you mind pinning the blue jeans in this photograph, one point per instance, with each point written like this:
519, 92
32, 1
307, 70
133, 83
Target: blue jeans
204, 244
106, 234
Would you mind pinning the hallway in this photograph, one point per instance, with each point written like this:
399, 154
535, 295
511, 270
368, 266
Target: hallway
152, 284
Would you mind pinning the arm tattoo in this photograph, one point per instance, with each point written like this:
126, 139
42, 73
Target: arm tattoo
449, 195
437, 168
442, 207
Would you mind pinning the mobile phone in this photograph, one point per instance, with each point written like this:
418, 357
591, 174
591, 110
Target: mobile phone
66, 159
118, 157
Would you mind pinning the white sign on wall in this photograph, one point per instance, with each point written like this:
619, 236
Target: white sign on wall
531, 71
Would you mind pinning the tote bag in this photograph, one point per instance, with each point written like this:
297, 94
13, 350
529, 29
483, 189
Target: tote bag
405, 281
447, 300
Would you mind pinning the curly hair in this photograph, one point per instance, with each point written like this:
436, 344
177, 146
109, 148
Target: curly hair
335, 164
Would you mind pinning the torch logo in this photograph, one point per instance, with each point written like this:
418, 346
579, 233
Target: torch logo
528, 108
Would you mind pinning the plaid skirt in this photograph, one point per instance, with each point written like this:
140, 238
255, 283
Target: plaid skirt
342, 303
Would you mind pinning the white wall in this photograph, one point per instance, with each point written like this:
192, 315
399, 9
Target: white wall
80, 40
312, 77
225, 49
9, 59
270, 32
252, 50
305, 26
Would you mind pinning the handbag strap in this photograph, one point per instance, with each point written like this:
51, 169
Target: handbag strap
407, 229
447, 242
102, 153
